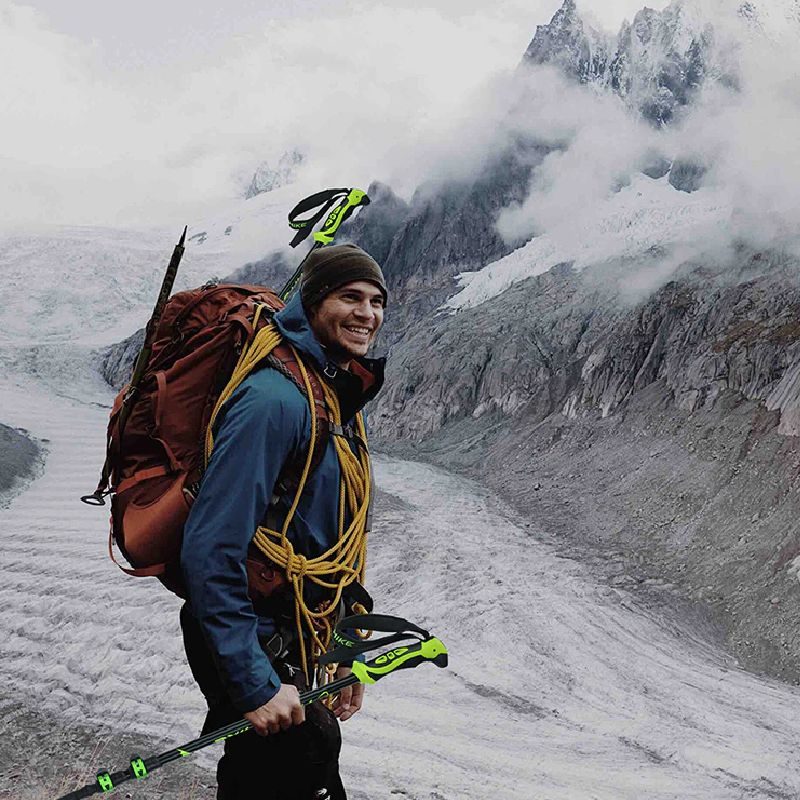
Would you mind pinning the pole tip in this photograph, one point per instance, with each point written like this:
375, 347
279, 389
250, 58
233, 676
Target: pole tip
183, 236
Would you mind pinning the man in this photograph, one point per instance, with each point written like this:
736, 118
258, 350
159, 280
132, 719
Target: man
237, 648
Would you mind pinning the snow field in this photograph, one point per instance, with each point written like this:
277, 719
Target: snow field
647, 216
80, 641
557, 687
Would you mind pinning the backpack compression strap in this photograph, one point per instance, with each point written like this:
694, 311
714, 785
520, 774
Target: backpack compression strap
283, 359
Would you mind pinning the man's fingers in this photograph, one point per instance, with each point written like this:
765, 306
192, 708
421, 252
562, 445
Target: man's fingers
357, 700
345, 696
298, 714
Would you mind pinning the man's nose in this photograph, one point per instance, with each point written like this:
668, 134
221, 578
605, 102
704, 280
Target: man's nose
365, 310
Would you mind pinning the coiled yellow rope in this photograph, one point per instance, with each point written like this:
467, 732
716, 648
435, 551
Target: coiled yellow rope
345, 561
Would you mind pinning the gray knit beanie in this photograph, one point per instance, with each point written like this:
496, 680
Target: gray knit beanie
328, 268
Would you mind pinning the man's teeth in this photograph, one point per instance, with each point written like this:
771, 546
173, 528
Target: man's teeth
364, 331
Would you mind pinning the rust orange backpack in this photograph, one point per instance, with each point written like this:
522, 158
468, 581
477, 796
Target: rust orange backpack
156, 433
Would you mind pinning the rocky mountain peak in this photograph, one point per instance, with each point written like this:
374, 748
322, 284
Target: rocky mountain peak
656, 63
272, 176
571, 44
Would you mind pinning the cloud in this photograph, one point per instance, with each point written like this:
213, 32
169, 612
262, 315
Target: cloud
745, 137
361, 92
598, 144
381, 91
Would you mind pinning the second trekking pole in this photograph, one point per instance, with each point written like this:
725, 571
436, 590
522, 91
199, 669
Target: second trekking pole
325, 202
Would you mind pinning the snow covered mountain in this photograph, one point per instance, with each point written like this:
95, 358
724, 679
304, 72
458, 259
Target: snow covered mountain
656, 63
268, 177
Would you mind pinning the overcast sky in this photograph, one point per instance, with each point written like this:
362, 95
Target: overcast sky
151, 28
117, 112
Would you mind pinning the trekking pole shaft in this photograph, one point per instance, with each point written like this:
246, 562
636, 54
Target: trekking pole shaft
287, 290
243, 725
431, 649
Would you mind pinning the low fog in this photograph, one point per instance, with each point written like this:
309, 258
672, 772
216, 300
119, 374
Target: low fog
742, 129
406, 96
120, 118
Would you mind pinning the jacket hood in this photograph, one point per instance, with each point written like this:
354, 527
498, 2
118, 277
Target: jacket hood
295, 328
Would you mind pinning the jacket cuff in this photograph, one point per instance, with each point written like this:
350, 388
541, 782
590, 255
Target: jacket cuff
253, 700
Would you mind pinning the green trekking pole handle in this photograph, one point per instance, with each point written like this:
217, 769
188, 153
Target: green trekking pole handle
349, 201
354, 199
431, 649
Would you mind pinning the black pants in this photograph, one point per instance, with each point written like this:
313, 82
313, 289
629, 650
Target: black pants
301, 763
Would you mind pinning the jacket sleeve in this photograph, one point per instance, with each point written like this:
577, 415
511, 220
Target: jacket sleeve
263, 424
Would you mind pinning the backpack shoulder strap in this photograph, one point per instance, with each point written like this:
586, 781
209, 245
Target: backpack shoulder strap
284, 361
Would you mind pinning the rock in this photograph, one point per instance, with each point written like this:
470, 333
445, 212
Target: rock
20, 458
116, 363
655, 64
686, 175
657, 168
567, 42
268, 177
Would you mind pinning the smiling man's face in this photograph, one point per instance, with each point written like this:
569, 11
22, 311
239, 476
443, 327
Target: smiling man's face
347, 319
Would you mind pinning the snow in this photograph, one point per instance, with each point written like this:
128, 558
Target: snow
647, 216
97, 285
558, 687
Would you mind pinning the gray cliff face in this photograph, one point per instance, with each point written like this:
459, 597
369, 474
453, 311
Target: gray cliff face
20, 459
116, 363
657, 438
375, 226
448, 228
656, 64
567, 42
445, 230
565, 342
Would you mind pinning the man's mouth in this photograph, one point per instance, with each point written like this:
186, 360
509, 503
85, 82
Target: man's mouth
358, 330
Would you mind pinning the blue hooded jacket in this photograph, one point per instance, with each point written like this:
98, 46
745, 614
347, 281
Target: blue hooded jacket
264, 424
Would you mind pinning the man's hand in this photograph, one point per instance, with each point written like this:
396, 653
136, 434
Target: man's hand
279, 713
350, 699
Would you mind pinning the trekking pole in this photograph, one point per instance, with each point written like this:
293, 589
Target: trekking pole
349, 201
96, 498
426, 648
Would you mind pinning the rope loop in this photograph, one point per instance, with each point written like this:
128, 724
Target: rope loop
345, 561
299, 567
